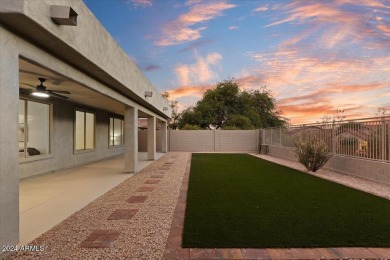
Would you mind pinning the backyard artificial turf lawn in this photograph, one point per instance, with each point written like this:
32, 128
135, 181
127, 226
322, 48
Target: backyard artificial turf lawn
240, 201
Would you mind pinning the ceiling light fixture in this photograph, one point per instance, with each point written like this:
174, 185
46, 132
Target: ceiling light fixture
148, 93
41, 90
40, 94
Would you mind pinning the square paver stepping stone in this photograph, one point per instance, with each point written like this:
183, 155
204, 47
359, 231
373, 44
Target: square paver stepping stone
144, 189
100, 238
136, 199
122, 214
151, 181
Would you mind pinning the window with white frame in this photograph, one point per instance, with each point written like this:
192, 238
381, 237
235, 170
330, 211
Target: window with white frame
84, 130
116, 131
34, 128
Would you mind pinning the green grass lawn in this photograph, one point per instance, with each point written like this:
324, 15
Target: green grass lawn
237, 200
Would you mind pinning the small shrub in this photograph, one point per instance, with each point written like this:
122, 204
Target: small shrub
228, 127
313, 153
191, 127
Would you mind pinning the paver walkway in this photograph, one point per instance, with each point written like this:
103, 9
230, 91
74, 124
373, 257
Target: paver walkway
175, 251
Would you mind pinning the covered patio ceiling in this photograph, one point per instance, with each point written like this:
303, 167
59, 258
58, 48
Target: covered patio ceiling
80, 94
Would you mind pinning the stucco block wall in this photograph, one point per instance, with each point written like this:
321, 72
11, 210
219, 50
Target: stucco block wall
213, 140
191, 140
143, 140
372, 170
282, 152
237, 141
63, 155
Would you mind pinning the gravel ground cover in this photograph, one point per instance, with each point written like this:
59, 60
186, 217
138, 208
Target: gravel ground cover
144, 236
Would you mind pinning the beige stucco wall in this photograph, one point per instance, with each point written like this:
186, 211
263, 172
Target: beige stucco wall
213, 140
89, 56
9, 139
369, 169
63, 155
143, 140
87, 46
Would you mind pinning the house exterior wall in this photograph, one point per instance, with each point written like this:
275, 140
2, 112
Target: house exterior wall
143, 140
87, 47
85, 53
63, 155
213, 140
9, 139
372, 170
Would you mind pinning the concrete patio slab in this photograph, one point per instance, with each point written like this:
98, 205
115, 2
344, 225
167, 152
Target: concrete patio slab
72, 189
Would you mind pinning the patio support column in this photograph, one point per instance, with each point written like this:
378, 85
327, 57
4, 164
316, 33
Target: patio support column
164, 137
151, 138
9, 139
131, 139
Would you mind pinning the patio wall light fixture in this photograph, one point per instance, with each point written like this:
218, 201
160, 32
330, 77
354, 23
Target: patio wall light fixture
63, 15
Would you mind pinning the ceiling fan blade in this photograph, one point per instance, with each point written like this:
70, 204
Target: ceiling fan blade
28, 85
57, 95
57, 82
25, 91
58, 91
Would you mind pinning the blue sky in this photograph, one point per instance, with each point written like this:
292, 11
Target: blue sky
314, 56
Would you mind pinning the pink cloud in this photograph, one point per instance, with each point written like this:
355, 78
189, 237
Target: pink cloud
195, 45
384, 28
196, 90
337, 23
141, 3
199, 72
305, 84
332, 62
181, 30
261, 9
370, 3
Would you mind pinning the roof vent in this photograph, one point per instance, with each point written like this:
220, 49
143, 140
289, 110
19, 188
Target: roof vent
63, 15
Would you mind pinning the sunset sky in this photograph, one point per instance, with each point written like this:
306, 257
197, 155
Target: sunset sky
314, 56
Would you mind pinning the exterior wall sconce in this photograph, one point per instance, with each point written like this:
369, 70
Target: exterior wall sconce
63, 15
165, 108
148, 93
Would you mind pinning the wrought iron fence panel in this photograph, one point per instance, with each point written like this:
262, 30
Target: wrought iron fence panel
362, 138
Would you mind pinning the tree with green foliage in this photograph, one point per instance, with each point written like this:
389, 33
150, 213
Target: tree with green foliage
228, 107
172, 124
